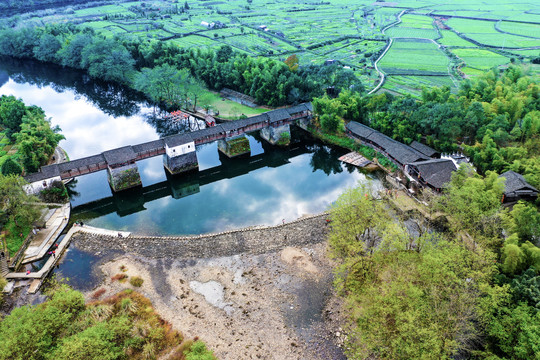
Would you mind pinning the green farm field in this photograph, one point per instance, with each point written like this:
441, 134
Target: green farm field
350, 33
414, 58
480, 59
484, 32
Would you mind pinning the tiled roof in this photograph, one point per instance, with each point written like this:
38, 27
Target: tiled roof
83, 162
121, 155
147, 146
277, 115
359, 129
516, 182
46, 172
424, 149
177, 140
209, 131
436, 172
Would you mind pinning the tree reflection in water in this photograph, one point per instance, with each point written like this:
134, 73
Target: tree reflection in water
111, 98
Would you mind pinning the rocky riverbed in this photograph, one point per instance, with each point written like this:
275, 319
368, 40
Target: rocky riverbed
244, 302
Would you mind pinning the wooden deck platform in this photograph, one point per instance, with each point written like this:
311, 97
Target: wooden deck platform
355, 159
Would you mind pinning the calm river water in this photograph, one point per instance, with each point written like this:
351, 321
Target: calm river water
270, 185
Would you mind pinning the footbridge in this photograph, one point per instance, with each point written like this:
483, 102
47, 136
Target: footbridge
179, 151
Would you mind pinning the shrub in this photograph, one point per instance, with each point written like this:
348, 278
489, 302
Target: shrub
198, 351
136, 281
3, 283
97, 294
56, 193
119, 277
284, 138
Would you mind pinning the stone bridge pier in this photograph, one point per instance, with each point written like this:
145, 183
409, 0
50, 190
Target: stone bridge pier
277, 135
122, 170
234, 146
180, 154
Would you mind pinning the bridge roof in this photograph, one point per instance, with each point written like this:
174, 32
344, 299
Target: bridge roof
147, 146
209, 131
277, 115
257, 118
46, 172
83, 162
297, 109
178, 139
120, 155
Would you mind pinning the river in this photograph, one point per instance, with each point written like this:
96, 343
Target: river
270, 186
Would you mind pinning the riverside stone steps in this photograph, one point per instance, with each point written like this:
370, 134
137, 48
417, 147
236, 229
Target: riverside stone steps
4, 270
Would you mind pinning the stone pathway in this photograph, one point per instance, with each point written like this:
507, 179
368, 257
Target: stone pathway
44, 239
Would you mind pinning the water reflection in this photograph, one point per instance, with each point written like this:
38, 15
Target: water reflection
266, 188
110, 98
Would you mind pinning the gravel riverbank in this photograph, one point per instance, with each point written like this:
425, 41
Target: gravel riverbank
253, 294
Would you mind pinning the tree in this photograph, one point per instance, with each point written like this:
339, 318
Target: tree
12, 111
37, 140
15, 214
71, 52
473, 202
108, 60
330, 114
292, 62
524, 220
513, 259
47, 47
163, 83
11, 167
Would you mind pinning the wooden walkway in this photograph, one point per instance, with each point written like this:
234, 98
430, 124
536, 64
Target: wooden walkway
355, 159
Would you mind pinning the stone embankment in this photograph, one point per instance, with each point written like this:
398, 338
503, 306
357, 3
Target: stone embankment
254, 240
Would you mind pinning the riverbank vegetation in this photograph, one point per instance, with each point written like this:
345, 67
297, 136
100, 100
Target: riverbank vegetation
123, 326
27, 137
468, 290
17, 214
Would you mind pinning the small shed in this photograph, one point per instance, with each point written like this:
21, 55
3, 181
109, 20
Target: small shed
517, 188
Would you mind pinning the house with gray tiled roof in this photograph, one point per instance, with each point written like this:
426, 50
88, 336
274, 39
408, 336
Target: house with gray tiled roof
517, 188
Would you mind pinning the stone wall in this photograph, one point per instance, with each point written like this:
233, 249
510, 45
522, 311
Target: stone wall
255, 240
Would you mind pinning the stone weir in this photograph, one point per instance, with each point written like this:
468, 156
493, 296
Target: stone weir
254, 240
179, 151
